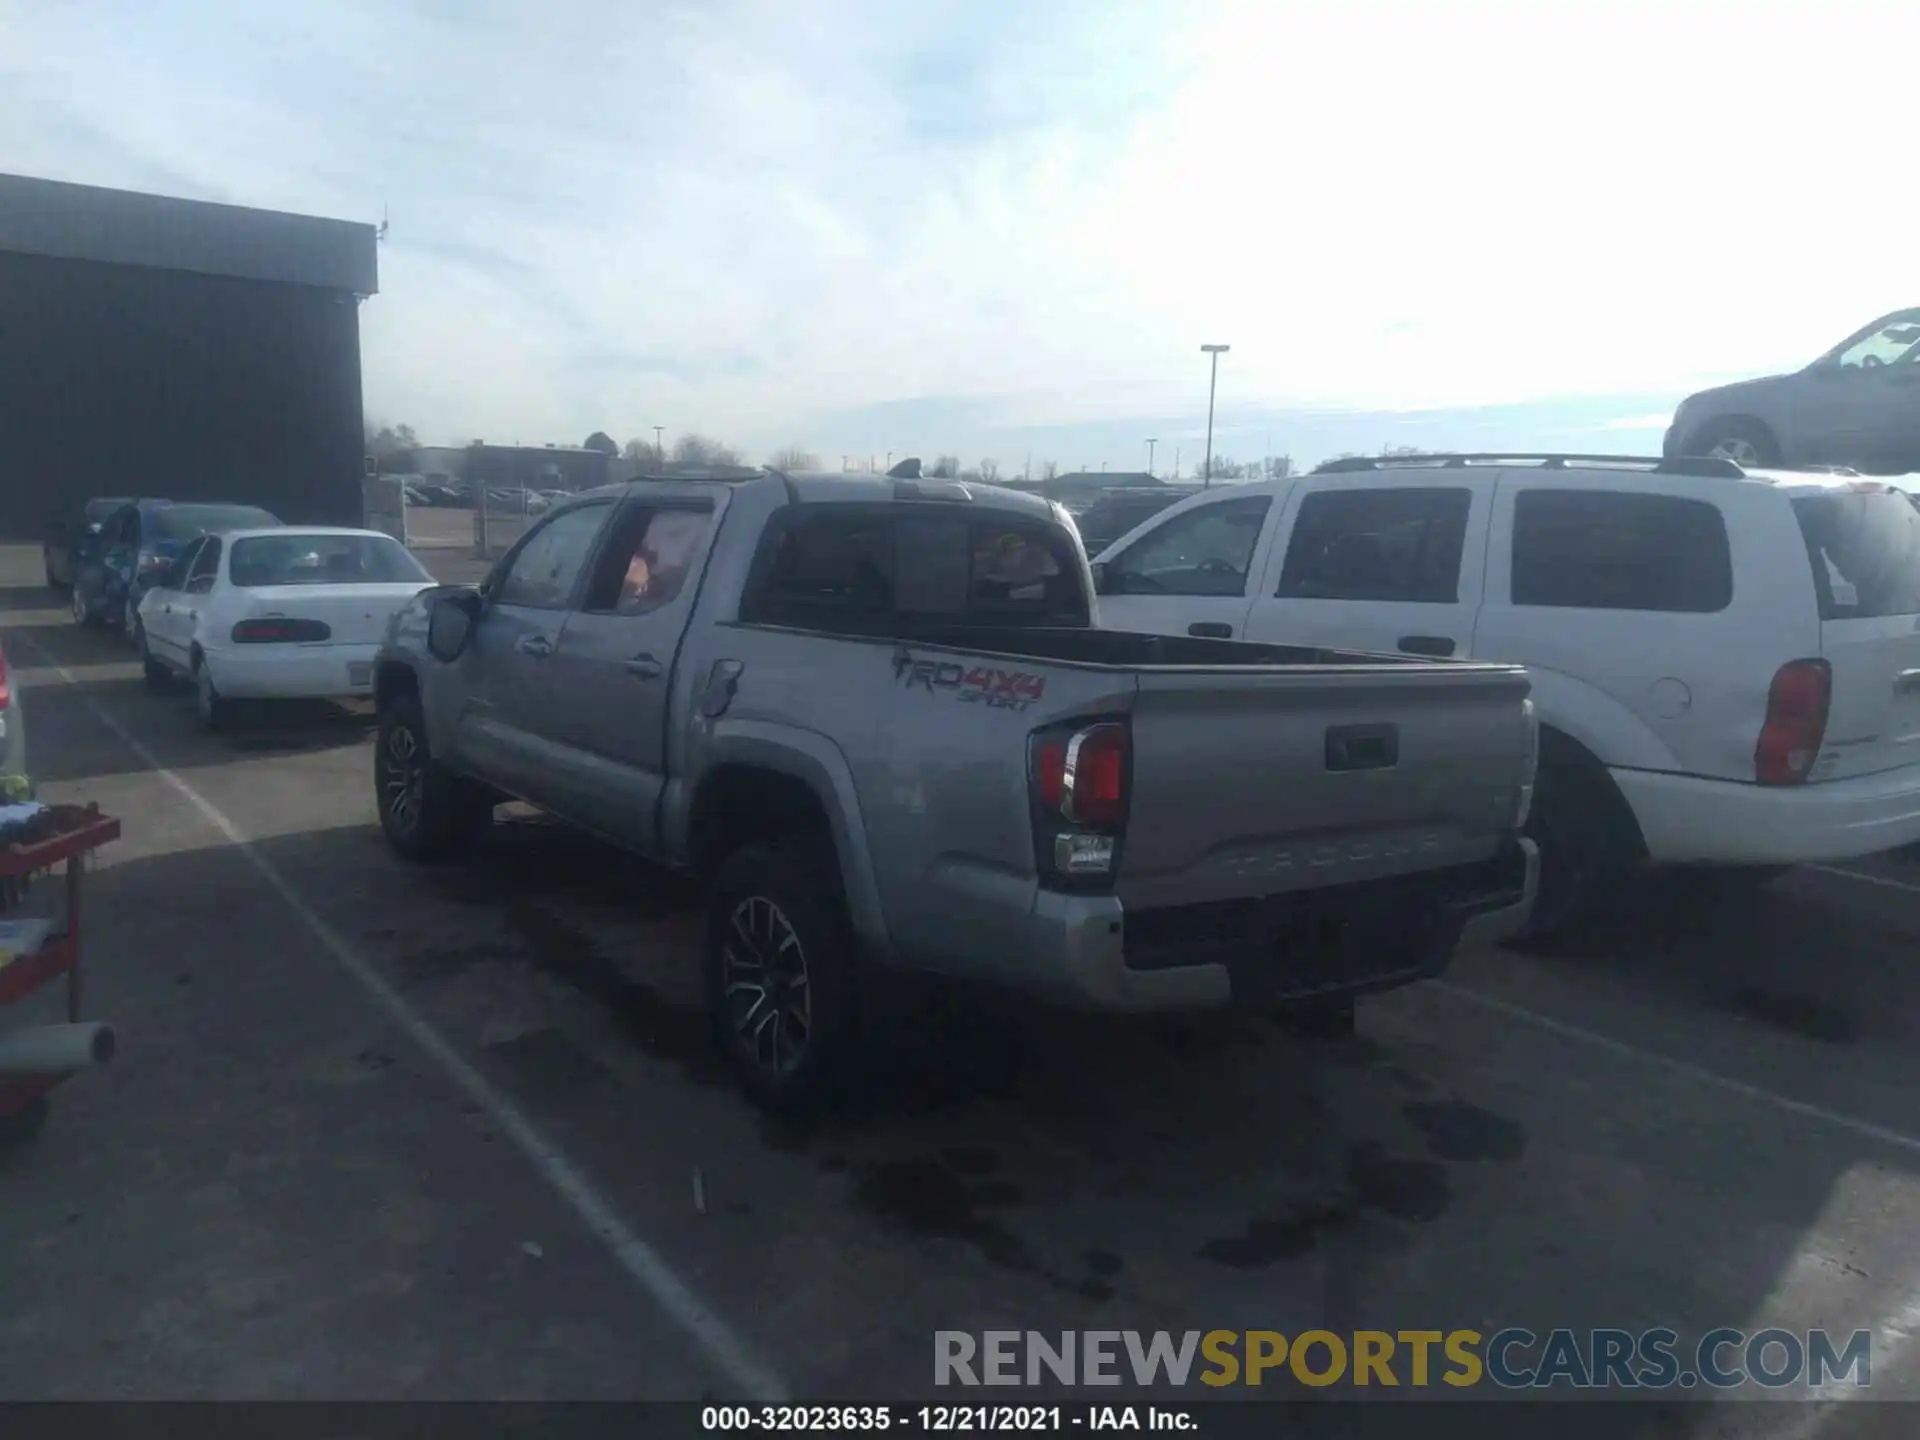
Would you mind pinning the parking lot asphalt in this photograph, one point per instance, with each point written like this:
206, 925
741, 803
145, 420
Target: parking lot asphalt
383, 1131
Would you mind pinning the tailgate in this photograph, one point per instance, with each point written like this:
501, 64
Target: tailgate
1259, 782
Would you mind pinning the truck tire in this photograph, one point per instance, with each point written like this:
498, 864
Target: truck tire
1585, 853
426, 812
777, 913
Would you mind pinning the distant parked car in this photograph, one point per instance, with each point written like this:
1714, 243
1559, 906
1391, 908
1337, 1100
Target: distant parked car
282, 613
134, 542
69, 537
1858, 405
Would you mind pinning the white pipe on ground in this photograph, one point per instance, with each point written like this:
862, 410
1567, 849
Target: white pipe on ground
55, 1049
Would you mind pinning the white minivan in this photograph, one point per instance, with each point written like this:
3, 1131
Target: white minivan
1725, 663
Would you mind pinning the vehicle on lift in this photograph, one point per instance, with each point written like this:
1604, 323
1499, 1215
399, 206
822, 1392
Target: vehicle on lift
1858, 405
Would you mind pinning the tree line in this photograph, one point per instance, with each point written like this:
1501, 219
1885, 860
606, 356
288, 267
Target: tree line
388, 443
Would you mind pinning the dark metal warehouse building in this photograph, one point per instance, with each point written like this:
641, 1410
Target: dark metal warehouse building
172, 348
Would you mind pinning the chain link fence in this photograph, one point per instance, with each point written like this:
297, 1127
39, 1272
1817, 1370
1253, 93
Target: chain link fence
501, 515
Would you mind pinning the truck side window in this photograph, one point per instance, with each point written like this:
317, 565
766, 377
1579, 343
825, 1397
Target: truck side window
542, 575
1203, 551
647, 560
1369, 544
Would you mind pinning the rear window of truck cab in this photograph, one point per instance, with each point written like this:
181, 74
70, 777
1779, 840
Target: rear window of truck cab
877, 568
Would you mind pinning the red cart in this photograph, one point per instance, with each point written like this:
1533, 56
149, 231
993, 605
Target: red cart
33, 1062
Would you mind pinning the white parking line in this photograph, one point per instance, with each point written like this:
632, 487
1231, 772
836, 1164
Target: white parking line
640, 1260
1862, 876
1866, 1129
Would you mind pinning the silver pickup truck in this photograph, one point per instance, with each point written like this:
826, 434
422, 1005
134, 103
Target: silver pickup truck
880, 716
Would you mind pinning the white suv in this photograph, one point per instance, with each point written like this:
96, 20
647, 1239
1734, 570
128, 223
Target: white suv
1725, 663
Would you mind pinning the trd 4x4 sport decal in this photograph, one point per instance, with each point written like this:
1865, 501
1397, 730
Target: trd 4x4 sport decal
971, 685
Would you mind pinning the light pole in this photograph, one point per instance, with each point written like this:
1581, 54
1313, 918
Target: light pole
1213, 381
1150, 445
660, 448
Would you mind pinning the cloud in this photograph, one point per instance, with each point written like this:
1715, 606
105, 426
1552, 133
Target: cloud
780, 222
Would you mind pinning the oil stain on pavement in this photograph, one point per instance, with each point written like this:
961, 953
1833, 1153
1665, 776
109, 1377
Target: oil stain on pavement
1456, 1130
935, 1197
1414, 1191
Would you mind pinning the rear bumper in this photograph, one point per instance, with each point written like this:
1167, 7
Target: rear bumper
1087, 951
1687, 820
294, 672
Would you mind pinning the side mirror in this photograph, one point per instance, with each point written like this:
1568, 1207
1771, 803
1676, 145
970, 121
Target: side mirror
164, 576
450, 621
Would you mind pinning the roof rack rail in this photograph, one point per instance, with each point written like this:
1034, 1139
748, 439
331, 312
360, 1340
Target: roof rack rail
1702, 465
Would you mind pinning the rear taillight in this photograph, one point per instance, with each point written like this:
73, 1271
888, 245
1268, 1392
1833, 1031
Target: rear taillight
281, 632
1080, 777
1796, 723
6, 691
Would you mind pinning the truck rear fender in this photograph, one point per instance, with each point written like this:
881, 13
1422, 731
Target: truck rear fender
700, 820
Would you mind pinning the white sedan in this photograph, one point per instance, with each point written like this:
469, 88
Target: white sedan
284, 614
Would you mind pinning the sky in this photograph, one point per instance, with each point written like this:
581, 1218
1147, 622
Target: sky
1004, 230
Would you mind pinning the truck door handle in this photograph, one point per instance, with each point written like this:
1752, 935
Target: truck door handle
537, 646
1211, 630
1906, 682
1440, 645
643, 667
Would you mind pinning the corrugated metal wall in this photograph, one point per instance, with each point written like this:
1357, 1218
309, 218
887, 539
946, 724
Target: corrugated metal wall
117, 380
